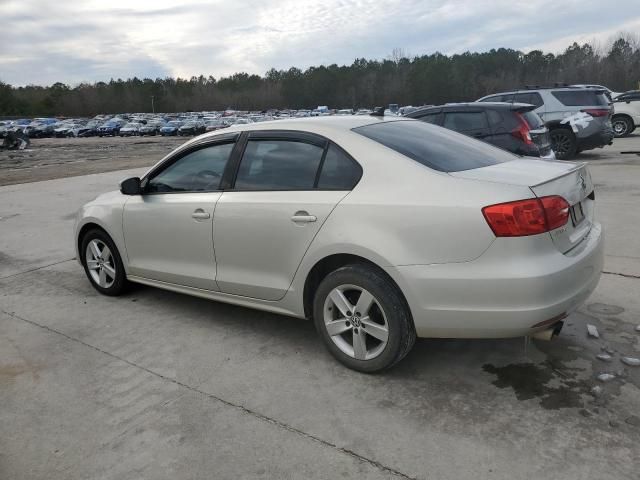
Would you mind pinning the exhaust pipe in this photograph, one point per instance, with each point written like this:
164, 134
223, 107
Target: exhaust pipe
548, 333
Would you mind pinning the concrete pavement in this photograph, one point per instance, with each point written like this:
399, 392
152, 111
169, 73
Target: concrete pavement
157, 385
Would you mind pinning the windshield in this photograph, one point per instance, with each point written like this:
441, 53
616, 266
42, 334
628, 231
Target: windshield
434, 147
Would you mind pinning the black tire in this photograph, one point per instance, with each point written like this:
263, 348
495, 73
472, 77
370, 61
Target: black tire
401, 331
622, 126
120, 283
563, 143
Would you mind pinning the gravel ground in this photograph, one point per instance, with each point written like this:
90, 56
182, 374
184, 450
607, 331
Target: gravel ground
50, 158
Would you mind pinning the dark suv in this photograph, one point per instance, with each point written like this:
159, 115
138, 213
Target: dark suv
511, 126
578, 118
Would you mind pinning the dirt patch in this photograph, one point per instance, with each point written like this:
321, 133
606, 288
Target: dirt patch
50, 158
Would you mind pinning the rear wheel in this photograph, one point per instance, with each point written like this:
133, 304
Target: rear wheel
102, 263
563, 142
362, 318
622, 126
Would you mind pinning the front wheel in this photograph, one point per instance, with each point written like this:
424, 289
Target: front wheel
102, 263
563, 143
622, 126
363, 319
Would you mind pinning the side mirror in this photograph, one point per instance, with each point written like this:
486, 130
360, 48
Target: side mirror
131, 186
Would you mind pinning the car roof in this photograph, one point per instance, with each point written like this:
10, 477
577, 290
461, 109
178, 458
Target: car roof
320, 125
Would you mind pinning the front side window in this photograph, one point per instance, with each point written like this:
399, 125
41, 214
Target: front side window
198, 171
278, 165
532, 98
339, 171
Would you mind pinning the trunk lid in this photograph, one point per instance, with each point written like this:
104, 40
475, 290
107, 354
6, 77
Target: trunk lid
571, 181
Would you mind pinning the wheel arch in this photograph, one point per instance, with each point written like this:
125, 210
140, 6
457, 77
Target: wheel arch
333, 262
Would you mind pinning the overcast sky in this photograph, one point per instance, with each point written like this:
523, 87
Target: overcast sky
44, 41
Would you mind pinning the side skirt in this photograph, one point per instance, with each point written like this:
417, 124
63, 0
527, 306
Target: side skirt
217, 296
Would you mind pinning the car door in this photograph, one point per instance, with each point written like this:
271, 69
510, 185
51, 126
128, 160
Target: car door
276, 206
168, 230
471, 122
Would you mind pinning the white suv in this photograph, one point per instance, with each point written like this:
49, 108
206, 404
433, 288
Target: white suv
627, 113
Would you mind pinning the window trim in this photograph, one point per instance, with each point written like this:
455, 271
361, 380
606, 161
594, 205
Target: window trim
284, 135
182, 152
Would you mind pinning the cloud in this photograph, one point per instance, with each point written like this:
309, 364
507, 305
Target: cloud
42, 41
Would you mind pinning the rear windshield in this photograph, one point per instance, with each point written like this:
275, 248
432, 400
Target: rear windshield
533, 119
434, 147
578, 98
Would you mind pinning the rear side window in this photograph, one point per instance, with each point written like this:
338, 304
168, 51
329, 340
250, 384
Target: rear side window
429, 117
436, 148
278, 165
339, 171
465, 121
579, 98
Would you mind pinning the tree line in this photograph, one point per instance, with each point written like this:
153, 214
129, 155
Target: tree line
419, 80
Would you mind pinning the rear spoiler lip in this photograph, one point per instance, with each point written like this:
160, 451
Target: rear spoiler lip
568, 172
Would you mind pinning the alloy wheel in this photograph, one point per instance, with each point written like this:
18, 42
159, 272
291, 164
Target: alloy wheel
620, 127
355, 322
100, 263
561, 143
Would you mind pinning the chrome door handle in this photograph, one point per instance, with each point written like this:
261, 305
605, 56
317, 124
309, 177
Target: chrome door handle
200, 214
303, 217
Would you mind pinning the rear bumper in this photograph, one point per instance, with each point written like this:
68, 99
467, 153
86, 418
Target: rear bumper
595, 140
506, 291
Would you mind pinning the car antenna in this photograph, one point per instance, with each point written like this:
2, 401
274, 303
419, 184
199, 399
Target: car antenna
377, 112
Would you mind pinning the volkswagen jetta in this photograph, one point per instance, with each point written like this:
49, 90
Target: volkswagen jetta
378, 229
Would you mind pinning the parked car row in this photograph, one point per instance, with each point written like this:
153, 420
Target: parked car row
548, 122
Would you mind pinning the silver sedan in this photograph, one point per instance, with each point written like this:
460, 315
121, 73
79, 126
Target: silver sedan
378, 229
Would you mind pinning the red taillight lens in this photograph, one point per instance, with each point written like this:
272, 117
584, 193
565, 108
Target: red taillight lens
522, 130
597, 112
556, 210
527, 217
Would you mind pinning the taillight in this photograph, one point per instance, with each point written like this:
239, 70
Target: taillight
596, 112
527, 217
521, 132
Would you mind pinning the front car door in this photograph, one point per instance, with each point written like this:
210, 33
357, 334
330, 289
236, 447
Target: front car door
168, 230
285, 187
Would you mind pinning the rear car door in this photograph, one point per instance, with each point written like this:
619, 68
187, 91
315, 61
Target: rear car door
286, 185
168, 229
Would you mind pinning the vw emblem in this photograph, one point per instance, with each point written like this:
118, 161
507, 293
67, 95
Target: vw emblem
582, 182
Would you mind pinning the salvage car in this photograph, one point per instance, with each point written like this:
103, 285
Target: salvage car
512, 126
626, 116
578, 118
130, 129
191, 127
378, 229
170, 128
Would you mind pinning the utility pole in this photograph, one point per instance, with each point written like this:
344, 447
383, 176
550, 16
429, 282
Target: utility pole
153, 107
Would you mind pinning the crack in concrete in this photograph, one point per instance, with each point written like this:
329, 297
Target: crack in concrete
241, 408
37, 268
625, 275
